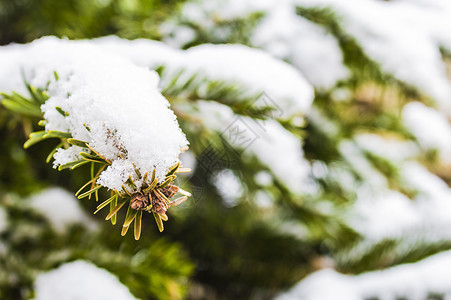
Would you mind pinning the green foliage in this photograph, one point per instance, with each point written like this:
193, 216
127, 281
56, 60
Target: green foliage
235, 31
234, 258
153, 269
354, 57
142, 18
151, 188
388, 252
18, 117
23, 21
240, 250
13, 158
181, 87
364, 69
26, 20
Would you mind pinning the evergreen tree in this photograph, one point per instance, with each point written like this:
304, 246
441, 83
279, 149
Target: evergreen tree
288, 175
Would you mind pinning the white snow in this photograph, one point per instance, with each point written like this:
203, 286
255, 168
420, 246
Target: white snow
425, 216
229, 186
429, 186
264, 200
354, 156
323, 285
305, 45
263, 178
177, 35
281, 32
431, 128
9, 56
97, 88
189, 161
385, 214
113, 105
80, 280
409, 281
206, 15
142, 52
3, 220
272, 144
66, 155
268, 140
258, 71
403, 36
319, 169
61, 209
392, 148
251, 68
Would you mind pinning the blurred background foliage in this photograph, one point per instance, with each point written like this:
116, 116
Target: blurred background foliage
211, 249
25, 20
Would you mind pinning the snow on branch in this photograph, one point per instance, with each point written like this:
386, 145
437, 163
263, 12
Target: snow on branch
254, 69
410, 281
108, 102
102, 99
268, 141
80, 280
108, 113
404, 37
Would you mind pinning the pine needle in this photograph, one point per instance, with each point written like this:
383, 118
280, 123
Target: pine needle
138, 224
159, 222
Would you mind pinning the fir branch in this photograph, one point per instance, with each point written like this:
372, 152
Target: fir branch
154, 195
179, 86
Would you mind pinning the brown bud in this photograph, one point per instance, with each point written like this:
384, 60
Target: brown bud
139, 202
169, 191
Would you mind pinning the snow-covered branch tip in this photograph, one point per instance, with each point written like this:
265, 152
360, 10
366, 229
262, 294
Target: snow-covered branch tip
150, 194
109, 114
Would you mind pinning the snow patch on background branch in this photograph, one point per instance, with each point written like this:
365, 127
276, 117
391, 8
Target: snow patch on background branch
273, 145
310, 48
80, 280
430, 127
404, 37
409, 281
61, 209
